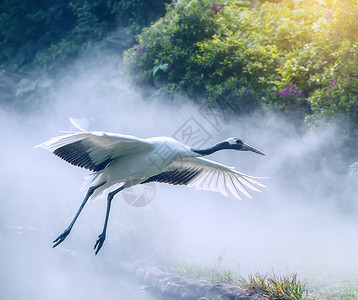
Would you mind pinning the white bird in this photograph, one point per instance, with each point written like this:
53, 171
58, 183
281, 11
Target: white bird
120, 161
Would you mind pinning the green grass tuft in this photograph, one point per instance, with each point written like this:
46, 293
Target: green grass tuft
275, 287
269, 287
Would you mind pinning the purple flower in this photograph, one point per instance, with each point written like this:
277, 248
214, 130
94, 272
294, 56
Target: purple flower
330, 34
224, 36
320, 106
136, 66
328, 15
171, 66
319, 118
286, 93
334, 81
307, 109
139, 49
288, 90
247, 92
217, 9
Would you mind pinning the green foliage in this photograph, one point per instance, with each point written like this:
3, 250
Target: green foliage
336, 96
282, 54
326, 68
58, 29
167, 50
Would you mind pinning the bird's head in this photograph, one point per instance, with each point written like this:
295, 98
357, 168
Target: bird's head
237, 144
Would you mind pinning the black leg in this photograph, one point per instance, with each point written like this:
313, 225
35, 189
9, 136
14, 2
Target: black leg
102, 236
67, 231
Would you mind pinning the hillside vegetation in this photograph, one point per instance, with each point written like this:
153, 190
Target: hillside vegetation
298, 57
46, 32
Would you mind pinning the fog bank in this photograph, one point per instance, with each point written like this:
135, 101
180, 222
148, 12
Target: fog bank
305, 221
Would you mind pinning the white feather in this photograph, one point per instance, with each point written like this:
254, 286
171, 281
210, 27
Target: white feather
216, 177
128, 156
121, 161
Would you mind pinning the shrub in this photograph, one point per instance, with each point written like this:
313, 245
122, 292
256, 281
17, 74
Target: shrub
282, 54
326, 68
167, 50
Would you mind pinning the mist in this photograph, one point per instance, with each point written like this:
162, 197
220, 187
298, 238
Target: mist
304, 221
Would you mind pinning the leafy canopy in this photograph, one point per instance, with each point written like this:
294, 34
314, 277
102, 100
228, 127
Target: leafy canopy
298, 56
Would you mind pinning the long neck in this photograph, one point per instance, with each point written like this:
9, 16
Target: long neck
208, 151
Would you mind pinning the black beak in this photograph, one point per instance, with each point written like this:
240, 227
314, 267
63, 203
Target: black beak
246, 147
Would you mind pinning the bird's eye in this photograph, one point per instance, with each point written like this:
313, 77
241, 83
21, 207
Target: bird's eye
238, 141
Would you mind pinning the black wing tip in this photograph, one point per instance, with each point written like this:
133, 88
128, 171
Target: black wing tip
175, 177
76, 154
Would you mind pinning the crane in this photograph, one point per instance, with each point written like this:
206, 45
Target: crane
120, 161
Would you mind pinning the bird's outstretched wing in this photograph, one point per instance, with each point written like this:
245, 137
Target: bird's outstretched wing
94, 150
204, 174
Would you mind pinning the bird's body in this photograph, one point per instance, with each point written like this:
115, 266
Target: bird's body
121, 161
131, 169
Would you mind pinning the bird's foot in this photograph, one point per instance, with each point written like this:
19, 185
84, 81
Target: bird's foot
61, 237
99, 242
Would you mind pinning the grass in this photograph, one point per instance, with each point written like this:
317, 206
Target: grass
274, 287
270, 287
202, 272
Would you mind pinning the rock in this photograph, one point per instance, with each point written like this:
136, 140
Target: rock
223, 291
170, 286
185, 288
